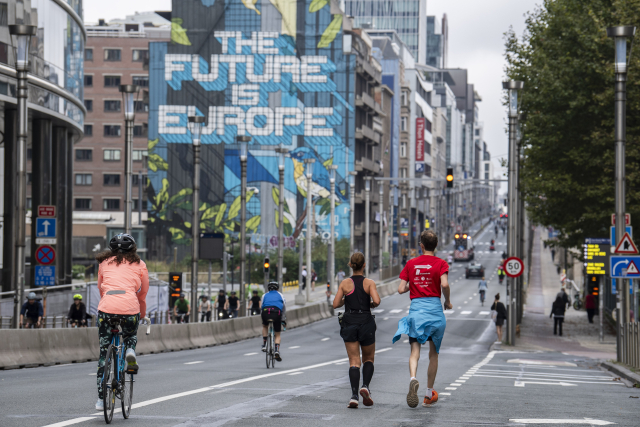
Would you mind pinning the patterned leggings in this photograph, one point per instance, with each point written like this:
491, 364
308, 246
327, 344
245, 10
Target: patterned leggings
129, 325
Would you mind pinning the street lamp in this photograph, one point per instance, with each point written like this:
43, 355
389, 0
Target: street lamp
622, 56
129, 115
244, 152
352, 206
512, 242
21, 39
332, 226
367, 215
195, 127
282, 152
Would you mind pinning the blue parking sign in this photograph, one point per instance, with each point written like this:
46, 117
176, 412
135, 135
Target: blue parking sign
45, 275
45, 227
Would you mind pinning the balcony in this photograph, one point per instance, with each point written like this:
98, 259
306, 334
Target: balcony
367, 134
374, 198
369, 72
366, 102
373, 228
366, 164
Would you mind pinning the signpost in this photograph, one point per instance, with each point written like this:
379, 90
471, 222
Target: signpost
45, 275
46, 227
626, 246
629, 230
48, 211
627, 219
513, 267
624, 267
45, 255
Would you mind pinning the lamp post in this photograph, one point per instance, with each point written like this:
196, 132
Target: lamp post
620, 35
380, 243
195, 127
512, 242
367, 220
21, 39
281, 156
129, 115
310, 232
392, 211
244, 152
352, 207
332, 227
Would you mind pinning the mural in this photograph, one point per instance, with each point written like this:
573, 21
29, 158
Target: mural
253, 68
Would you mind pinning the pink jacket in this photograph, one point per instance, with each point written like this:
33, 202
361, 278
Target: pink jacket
123, 288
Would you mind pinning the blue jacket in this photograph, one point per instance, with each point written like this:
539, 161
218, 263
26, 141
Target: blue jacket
32, 310
273, 299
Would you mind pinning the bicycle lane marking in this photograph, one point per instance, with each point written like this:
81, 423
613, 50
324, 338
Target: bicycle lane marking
205, 389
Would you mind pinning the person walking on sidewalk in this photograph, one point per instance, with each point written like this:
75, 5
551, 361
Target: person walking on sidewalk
565, 298
557, 311
499, 316
358, 327
482, 289
426, 280
590, 306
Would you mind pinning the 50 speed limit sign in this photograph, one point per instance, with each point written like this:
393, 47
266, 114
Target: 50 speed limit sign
513, 267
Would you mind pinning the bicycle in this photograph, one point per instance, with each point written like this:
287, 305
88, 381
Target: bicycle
114, 379
481, 297
577, 303
270, 352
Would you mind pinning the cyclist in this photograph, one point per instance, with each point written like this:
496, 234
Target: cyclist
482, 289
255, 304
500, 274
221, 302
31, 312
358, 327
232, 305
123, 282
181, 309
205, 308
273, 308
78, 312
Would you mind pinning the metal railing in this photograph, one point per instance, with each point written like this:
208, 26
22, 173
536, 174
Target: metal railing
631, 344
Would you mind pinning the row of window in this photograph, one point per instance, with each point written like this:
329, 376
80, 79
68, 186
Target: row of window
114, 81
107, 204
115, 55
115, 106
84, 155
139, 131
108, 179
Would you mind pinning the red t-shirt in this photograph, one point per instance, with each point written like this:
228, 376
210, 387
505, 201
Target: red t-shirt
423, 274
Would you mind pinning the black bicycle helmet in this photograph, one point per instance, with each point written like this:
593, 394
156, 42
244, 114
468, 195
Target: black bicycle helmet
122, 242
273, 286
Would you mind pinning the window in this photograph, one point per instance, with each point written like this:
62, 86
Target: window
477, 132
111, 155
140, 131
83, 204
84, 155
29, 153
88, 80
142, 81
112, 179
88, 54
134, 180
111, 130
29, 203
403, 149
88, 104
112, 55
88, 130
403, 124
486, 166
139, 55
486, 175
138, 155
404, 201
4, 14
112, 106
112, 81
135, 204
141, 106
29, 178
111, 204
403, 98
84, 179
403, 172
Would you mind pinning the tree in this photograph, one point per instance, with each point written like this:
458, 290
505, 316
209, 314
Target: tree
566, 61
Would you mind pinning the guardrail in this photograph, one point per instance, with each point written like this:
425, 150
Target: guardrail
631, 344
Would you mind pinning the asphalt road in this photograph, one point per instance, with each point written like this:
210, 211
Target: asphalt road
230, 385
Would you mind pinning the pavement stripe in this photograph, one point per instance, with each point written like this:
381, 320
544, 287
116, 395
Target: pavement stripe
250, 354
589, 421
325, 339
465, 312
71, 422
395, 311
193, 363
444, 394
295, 346
450, 388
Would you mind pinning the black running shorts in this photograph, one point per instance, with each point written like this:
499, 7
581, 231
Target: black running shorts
364, 333
272, 313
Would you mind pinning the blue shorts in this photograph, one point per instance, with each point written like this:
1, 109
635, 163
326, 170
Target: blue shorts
425, 322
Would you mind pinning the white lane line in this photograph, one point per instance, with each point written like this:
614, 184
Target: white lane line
474, 294
461, 380
449, 311
564, 380
250, 354
445, 394
295, 373
459, 307
455, 385
589, 421
71, 422
94, 374
471, 297
465, 312
466, 302
450, 388
385, 318
325, 339
202, 361
395, 311
378, 310
484, 313
405, 341
293, 347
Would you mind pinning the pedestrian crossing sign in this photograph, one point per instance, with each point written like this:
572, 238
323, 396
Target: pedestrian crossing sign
626, 246
632, 269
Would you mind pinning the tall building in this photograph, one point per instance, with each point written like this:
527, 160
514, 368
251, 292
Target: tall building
437, 39
407, 17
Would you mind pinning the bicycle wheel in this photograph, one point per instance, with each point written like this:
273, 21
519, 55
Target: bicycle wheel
273, 349
109, 384
268, 352
127, 395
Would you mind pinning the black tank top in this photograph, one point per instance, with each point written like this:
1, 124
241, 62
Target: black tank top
357, 304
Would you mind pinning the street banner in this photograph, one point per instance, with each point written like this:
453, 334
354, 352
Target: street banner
420, 126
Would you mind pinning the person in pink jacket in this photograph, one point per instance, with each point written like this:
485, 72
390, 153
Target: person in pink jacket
123, 282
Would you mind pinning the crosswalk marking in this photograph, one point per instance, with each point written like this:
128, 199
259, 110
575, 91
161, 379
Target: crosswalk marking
395, 311
484, 313
465, 312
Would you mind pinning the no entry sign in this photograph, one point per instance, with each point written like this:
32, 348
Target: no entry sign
45, 255
513, 267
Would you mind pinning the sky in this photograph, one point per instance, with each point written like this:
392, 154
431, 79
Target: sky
476, 42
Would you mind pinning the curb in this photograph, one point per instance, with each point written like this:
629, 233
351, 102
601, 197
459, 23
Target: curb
622, 371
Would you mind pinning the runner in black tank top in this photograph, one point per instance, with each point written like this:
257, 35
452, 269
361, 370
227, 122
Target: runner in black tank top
358, 327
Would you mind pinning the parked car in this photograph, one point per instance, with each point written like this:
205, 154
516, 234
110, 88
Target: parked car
475, 270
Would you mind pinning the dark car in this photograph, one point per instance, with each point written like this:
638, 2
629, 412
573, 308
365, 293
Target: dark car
475, 270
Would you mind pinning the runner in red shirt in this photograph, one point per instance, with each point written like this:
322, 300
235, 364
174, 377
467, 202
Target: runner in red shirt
426, 279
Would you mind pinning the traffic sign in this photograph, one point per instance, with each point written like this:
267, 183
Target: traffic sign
45, 255
45, 275
45, 227
46, 241
613, 240
627, 219
626, 246
48, 211
513, 267
624, 267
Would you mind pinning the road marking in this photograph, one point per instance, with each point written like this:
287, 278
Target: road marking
202, 361
450, 388
385, 318
466, 302
465, 312
474, 294
554, 375
378, 310
295, 373
519, 377
560, 421
459, 307
94, 374
293, 347
71, 422
455, 385
250, 354
395, 311
461, 380
541, 362
471, 297
522, 383
449, 311
445, 394
484, 313
325, 339
405, 341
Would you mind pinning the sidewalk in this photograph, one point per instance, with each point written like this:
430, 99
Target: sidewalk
580, 338
319, 294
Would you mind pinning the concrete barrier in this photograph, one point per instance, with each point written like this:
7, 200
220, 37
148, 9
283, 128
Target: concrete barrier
201, 334
223, 331
148, 344
20, 348
243, 329
176, 337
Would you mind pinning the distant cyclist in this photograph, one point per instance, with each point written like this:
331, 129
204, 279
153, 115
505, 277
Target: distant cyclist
181, 310
78, 312
273, 308
501, 274
31, 312
123, 282
221, 304
482, 289
205, 308
232, 305
255, 304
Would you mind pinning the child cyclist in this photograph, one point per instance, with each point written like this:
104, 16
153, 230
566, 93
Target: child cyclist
123, 282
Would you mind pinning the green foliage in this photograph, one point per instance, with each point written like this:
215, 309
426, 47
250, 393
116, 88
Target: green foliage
78, 271
566, 62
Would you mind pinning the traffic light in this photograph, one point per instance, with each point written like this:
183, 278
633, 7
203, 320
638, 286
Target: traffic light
449, 177
175, 287
266, 265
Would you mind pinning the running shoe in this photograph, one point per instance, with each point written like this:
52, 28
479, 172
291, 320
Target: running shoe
353, 403
100, 405
412, 396
264, 348
277, 356
428, 402
366, 396
132, 364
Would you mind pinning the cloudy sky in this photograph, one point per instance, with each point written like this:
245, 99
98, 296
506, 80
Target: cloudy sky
476, 43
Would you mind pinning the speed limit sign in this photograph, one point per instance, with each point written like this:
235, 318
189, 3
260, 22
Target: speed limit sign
513, 267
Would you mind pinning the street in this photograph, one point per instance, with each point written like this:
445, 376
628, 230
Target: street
230, 385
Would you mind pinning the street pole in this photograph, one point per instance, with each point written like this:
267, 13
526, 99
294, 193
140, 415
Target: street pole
381, 238
21, 36
300, 299
310, 232
392, 211
243, 140
282, 152
512, 241
332, 228
225, 258
367, 220
620, 35
129, 116
139, 197
195, 127
352, 206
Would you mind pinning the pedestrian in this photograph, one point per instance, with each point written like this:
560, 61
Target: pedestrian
590, 306
499, 315
31, 312
426, 280
557, 311
358, 327
482, 288
314, 278
340, 276
304, 277
232, 305
553, 254
565, 298
221, 303
205, 308
328, 292
255, 304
